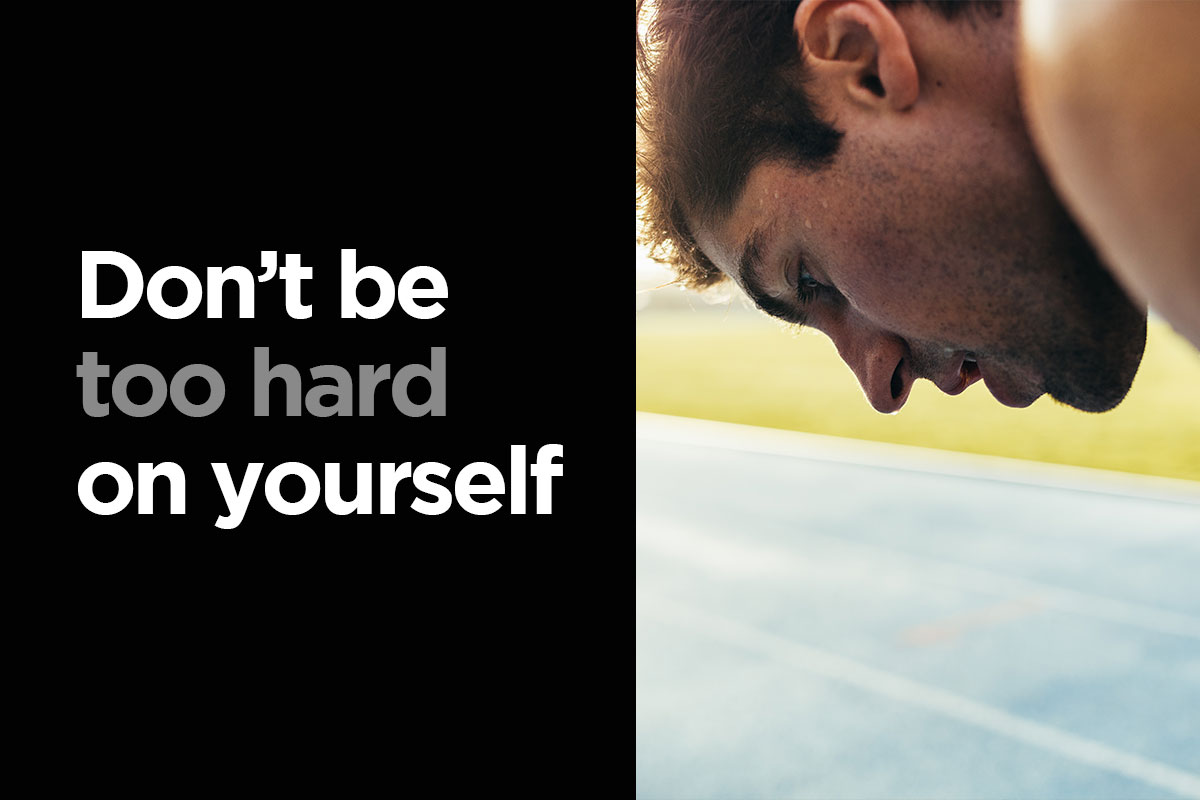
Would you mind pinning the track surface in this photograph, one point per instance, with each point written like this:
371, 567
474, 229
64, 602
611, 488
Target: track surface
828, 619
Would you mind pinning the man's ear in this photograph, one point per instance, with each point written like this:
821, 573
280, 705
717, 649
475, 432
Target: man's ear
858, 46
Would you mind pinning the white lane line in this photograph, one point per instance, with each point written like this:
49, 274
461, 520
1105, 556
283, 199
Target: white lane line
714, 551
811, 446
845, 670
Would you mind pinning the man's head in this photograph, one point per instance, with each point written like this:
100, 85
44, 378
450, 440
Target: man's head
865, 168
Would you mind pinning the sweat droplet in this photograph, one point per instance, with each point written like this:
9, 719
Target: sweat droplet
808, 224
777, 195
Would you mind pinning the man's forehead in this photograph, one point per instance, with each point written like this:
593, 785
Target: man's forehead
720, 247
723, 239
737, 241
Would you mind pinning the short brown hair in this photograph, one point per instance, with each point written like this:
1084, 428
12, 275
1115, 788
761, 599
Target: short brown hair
720, 88
716, 93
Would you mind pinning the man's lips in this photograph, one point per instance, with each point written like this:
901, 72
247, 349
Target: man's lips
1001, 386
966, 373
965, 369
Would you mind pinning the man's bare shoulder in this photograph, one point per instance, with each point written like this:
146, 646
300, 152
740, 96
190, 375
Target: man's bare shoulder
1112, 97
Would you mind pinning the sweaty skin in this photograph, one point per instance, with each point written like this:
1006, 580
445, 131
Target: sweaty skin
1112, 94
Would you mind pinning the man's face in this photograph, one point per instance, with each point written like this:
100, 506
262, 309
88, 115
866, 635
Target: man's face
938, 253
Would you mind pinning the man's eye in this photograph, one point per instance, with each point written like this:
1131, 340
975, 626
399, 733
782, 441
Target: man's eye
807, 288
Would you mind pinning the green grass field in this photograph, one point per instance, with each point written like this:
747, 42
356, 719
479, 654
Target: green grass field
743, 367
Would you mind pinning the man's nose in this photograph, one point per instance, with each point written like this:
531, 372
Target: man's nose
880, 360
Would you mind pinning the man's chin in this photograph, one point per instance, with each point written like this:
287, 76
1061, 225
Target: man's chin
1097, 386
1094, 404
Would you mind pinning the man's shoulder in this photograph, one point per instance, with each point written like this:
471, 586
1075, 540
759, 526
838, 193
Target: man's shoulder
1113, 106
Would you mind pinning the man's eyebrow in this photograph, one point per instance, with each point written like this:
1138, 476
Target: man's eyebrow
750, 269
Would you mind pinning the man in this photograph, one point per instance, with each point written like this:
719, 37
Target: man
866, 168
